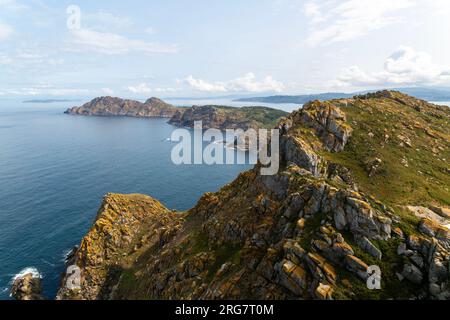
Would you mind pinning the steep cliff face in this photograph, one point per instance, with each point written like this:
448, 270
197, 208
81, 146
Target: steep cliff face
125, 224
221, 117
311, 231
109, 106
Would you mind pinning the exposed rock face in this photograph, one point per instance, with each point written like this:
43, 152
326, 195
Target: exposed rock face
27, 287
297, 151
109, 106
329, 122
305, 233
125, 223
221, 117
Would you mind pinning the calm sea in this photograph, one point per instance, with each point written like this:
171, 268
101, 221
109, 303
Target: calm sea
55, 169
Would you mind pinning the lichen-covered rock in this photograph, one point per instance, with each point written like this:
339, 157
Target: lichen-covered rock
27, 287
368, 246
412, 273
329, 122
324, 292
124, 224
297, 151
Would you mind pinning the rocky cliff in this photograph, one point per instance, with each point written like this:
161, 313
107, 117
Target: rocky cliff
363, 182
109, 106
222, 117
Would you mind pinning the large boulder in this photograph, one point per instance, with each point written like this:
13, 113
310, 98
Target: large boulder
27, 287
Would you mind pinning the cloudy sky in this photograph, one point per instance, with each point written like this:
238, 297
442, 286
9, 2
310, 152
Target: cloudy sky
170, 48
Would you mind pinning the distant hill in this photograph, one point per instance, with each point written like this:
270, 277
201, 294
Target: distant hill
428, 93
110, 106
224, 117
300, 99
425, 93
48, 100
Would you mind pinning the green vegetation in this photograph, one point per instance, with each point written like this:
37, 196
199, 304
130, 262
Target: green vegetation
414, 157
391, 286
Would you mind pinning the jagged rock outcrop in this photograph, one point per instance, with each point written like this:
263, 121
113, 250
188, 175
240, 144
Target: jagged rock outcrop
110, 106
309, 232
27, 287
125, 224
329, 122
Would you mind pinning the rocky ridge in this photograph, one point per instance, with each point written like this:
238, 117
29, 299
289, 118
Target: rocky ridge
110, 106
222, 117
309, 232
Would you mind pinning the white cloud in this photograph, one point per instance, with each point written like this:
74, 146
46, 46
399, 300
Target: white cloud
201, 85
141, 88
145, 89
313, 12
344, 20
5, 31
246, 83
108, 91
110, 43
151, 31
166, 90
5, 60
106, 20
12, 5
46, 91
29, 59
405, 66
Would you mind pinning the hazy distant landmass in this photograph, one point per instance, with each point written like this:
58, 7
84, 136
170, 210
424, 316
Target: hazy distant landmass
48, 100
425, 93
300, 99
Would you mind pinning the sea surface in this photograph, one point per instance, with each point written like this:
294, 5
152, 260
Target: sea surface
55, 169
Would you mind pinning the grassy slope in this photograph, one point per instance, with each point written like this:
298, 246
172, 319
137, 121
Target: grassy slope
425, 180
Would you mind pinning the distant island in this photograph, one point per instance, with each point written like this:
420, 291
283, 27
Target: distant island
218, 117
224, 117
298, 99
117, 107
425, 93
48, 100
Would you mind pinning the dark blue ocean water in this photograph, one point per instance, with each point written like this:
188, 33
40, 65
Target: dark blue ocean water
55, 169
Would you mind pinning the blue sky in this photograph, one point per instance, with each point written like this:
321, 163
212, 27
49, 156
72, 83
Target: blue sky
207, 48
